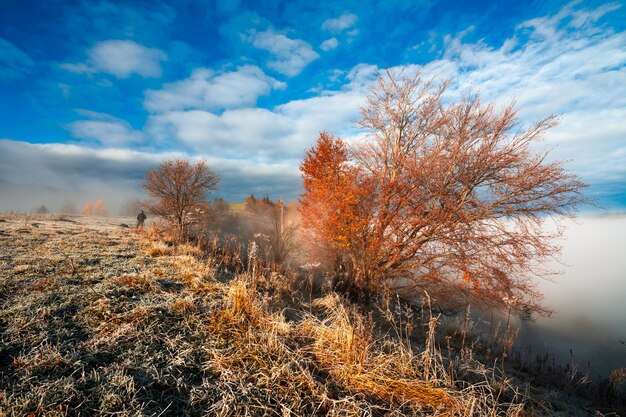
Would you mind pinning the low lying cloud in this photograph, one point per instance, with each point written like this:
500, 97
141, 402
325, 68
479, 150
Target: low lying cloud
290, 56
210, 90
115, 174
121, 58
69, 172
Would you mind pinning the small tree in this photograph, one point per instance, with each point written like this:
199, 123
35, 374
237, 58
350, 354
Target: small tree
69, 207
332, 205
448, 197
179, 190
276, 221
100, 209
43, 210
87, 210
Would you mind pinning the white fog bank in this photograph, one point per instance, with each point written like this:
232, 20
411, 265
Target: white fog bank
589, 298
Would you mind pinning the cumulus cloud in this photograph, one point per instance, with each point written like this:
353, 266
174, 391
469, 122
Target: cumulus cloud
282, 133
121, 58
105, 130
239, 133
14, 62
207, 89
341, 23
291, 56
329, 44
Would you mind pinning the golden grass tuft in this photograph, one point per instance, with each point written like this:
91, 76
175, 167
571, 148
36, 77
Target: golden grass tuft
344, 346
241, 308
158, 248
400, 392
182, 307
137, 282
187, 249
17, 269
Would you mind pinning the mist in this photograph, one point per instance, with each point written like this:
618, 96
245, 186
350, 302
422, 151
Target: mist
589, 298
27, 198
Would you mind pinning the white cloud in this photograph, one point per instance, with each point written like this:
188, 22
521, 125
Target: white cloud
14, 62
206, 89
282, 133
121, 58
341, 23
361, 76
329, 44
291, 56
105, 129
240, 133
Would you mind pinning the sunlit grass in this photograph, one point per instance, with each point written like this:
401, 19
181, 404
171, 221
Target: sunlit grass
108, 328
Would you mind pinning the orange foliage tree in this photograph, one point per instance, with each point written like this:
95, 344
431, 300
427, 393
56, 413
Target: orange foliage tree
447, 197
334, 205
100, 209
178, 190
87, 210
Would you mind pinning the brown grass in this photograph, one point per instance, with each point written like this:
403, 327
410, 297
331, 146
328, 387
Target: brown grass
92, 324
137, 282
158, 248
343, 343
183, 307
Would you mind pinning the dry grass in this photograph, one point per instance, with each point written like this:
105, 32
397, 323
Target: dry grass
100, 320
344, 345
158, 248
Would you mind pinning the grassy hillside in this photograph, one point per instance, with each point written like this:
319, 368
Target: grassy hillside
97, 319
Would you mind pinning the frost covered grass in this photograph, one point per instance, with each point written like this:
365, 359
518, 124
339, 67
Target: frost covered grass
98, 319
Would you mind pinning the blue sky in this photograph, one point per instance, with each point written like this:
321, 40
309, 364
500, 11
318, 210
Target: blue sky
94, 93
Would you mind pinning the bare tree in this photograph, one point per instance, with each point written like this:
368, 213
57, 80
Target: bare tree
445, 197
69, 207
178, 190
276, 222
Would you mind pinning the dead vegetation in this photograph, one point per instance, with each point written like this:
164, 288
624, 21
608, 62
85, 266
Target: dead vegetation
96, 319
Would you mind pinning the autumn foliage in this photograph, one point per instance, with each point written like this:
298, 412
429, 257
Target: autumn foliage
446, 197
87, 210
99, 209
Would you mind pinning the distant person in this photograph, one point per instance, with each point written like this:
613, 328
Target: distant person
141, 217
